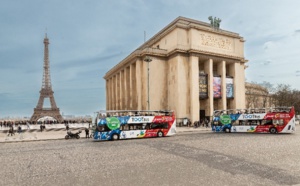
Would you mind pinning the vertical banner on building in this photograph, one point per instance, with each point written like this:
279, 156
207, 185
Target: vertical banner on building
217, 87
203, 87
229, 87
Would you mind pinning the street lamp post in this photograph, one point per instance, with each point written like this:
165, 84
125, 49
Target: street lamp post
148, 60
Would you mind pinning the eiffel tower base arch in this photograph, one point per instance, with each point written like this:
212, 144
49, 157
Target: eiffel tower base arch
39, 113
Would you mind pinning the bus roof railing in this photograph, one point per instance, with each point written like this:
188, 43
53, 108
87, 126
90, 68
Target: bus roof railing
267, 109
114, 111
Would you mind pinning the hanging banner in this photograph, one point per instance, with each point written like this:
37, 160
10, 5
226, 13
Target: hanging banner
203, 87
229, 87
217, 87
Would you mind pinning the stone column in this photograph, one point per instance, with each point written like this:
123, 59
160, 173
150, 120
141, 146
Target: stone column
128, 88
144, 86
222, 71
107, 94
194, 88
208, 69
238, 69
113, 93
122, 80
138, 73
117, 91
132, 87
110, 94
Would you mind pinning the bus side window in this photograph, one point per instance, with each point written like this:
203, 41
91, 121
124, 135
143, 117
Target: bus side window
123, 127
267, 122
243, 122
130, 127
153, 126
159, 126
254, 122
165, 126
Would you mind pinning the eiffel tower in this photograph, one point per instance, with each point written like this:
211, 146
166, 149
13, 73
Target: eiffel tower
46, 92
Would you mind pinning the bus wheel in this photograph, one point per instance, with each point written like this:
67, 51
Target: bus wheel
227, 130
160, 134
115, 137
273, 130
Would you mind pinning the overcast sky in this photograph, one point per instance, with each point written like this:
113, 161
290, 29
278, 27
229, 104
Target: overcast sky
89, 37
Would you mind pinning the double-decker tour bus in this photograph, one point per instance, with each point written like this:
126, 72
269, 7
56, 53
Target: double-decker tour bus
272, 120
127, 124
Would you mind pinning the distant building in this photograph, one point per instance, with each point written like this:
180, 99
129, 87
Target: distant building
257, 96
194, 69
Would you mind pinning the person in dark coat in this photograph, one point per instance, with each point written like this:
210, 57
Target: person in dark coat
19, 129
87, 133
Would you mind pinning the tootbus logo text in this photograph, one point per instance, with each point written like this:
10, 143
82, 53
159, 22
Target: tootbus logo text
139, 119
251, 116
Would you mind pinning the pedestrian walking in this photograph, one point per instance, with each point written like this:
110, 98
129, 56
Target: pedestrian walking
87, 132
67, 127
19, 129
41, 127
11, 131
206, 123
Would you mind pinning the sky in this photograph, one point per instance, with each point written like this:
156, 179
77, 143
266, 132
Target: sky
89, 37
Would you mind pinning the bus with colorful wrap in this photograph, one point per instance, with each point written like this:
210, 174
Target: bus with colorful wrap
127, 124
266, 120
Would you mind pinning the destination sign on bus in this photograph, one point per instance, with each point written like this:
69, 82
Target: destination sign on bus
251, 116
141, 119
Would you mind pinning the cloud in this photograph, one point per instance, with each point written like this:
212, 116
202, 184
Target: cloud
266, 62
89, 61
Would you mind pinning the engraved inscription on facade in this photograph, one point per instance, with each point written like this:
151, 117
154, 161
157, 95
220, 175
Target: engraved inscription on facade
216, 41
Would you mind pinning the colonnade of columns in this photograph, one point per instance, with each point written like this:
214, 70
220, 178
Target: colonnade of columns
212, 68
123, 89
126, 89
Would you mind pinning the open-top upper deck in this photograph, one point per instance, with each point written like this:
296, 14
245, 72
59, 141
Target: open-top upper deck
116, 113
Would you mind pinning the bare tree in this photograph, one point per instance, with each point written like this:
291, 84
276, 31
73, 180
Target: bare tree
282, 95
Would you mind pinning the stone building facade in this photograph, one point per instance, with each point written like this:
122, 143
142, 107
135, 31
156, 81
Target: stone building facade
191, 65
256, 96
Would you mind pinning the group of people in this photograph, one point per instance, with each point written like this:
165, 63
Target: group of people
203, 122
11, 130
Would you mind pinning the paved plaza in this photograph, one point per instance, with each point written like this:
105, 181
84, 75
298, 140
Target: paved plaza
189, 158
